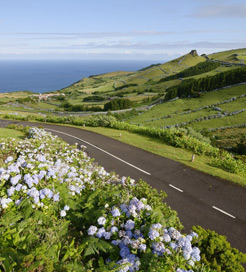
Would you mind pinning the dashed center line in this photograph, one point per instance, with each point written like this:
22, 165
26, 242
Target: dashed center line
101, 150
232, 216
176, 188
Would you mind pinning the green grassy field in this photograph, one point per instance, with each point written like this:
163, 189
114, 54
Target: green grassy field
233, 56
143, 87
176, 108
11, 133
106, 84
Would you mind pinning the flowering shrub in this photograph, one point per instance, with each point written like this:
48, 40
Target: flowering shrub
130, 227
174, 137
61, 212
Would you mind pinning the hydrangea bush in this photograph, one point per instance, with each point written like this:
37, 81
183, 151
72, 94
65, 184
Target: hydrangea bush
59, 211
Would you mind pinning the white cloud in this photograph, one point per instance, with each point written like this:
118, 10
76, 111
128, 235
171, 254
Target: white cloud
217, 11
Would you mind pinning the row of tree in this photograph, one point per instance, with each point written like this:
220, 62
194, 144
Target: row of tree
79, 107
125, 86
116, 104
194, 87
200, 68
93, 98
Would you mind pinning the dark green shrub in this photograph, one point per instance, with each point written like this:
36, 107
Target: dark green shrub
93, 98
217, 252
118, 104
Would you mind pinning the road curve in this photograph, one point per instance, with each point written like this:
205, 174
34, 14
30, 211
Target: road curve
199, 199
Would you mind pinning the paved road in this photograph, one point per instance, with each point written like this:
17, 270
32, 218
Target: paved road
199, 199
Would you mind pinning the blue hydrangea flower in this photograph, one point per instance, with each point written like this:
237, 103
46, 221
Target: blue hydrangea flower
101, 220
114, 229
56, 197
124, 251
129, 225
115, 212
107, 235
100, 232
153, 234
142, 247
9, 159
14, 180
92, 230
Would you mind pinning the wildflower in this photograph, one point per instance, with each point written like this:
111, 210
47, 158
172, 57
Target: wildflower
153, 234
115, 212
11, 191
100, 232
56, 197
174, 234
124, 251
63, 213
92, 230
191, 263
113, 229
129, 225
9, 159
166, 238
115, 242
135, 244
17, 202
14, 180
101, 220
142, 247
5, 201
107, 235
18, 187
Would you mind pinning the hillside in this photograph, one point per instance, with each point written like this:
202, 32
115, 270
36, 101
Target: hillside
237, 56
148, 90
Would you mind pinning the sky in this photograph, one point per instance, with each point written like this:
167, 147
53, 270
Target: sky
119, 29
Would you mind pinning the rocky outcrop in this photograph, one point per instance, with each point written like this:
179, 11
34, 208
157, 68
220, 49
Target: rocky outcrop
193, 53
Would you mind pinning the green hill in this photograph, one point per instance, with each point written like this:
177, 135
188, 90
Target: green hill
201, 96
232, 56
187, 77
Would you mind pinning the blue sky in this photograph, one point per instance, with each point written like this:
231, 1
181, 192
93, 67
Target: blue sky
114, 29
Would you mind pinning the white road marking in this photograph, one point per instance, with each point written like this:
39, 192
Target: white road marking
101, 150
176, 188
232, 216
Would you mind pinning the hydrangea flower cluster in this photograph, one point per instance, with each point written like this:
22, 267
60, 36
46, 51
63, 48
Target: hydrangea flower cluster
36, 169
42, 163
127, 227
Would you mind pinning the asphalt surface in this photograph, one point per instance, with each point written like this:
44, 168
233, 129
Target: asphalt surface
199, 199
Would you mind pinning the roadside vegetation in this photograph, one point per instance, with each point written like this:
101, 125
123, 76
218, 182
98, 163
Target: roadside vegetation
182, 139
195, 103
7, 132
54, 217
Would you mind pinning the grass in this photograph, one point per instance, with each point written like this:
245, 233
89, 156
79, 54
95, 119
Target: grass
6, 133
105, 83
175, 108
221, 122
226, 55
177, 154
156, 146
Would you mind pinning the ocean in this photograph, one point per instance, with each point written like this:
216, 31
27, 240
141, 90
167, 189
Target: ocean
41, 76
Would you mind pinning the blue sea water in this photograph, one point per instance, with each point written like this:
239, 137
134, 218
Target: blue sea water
49, 75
